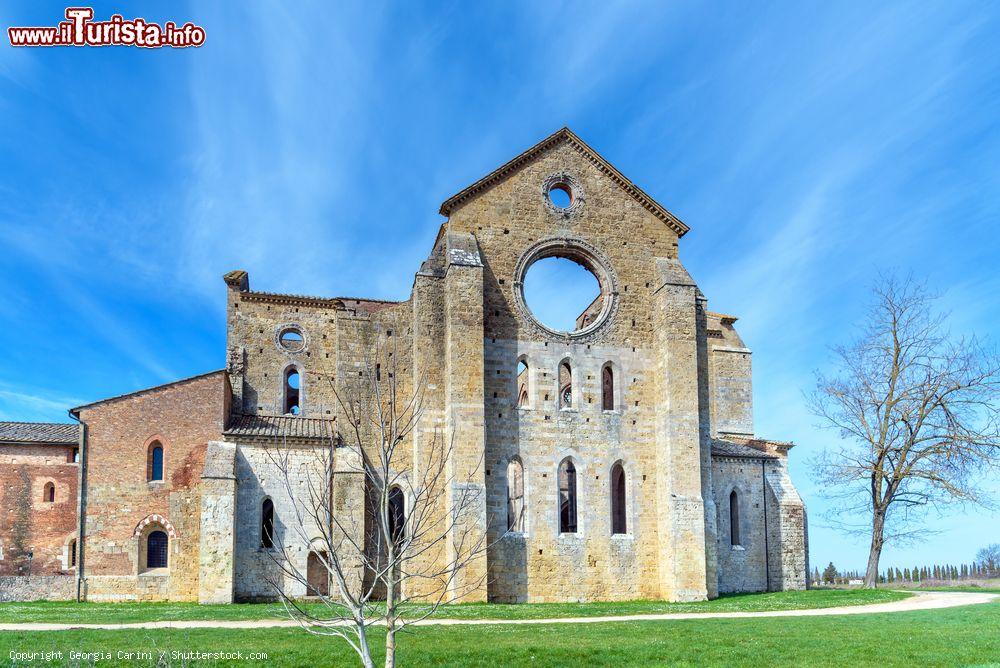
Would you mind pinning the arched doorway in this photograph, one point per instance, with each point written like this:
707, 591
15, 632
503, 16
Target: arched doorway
317, 575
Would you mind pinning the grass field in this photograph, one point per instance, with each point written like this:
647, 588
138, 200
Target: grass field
968, 636
97, 613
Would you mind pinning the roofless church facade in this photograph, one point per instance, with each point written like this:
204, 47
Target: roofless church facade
613, 458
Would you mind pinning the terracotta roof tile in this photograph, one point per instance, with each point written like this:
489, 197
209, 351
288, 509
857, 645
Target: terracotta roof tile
56, 433
280, 426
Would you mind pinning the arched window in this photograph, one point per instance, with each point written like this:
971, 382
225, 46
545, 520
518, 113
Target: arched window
49, 493
156, 550
565, 385
292, 391
267, 524
515, 495
607, 388
567, 497
154, 463
734, 519
72, 553
618, 522
522, 383
397, 514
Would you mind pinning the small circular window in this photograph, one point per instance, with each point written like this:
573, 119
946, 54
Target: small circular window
560, 196
291, 339
563, 194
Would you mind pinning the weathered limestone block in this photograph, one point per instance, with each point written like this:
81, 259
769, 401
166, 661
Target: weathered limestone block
218, 511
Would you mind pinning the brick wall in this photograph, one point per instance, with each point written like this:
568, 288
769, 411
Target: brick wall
28, 521
120, 501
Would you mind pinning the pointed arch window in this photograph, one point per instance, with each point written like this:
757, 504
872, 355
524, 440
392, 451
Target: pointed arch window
397, 514
567, 497
734, 519
565, 385
292, 392
618, 515
522, 383
267, 524
515, 495
607, 388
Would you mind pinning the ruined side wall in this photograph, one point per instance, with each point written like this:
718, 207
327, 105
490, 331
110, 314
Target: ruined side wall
184, 416
29, 523
259, 570
786, 525
742, 567
257, 362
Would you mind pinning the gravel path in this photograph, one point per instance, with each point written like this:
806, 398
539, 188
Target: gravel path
932, 600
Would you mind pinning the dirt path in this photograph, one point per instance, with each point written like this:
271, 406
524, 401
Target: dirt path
920, 601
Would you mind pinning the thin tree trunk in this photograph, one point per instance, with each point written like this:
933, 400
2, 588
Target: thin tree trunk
366, 656
875, 551
390, 644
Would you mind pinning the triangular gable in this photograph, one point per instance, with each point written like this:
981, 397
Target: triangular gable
565, 134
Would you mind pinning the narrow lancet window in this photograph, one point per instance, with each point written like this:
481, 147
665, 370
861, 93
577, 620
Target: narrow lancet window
565, 385
515, 495
618, 522
292, 391
267, 524
734, 519
607, 389
567, 497
522, 384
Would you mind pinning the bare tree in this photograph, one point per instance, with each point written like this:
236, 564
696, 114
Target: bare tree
917, 411
394, 548
989, 559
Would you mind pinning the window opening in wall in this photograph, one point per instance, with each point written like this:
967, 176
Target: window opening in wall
522, 383
562, 294
155, 471
607, 389
734, 519
565, 385
397, 514
567, 497
292, 392
74, 455
560, 195
156, 550
515, 495
267, 524
618, 522
72, 553
291, 339
49, 493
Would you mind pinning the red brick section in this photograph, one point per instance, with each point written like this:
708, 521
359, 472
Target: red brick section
28, 521
183, 416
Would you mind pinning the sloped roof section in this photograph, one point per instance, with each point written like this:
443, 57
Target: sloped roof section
280, 426
52, 433
566, 135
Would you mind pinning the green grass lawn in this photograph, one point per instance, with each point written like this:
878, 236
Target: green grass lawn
97, 613
968, 636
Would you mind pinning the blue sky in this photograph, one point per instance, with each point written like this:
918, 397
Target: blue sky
808, 146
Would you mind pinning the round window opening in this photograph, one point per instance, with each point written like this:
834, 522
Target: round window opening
560, 195
291, 339
563, 295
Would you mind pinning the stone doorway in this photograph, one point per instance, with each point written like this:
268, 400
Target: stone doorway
317, 576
